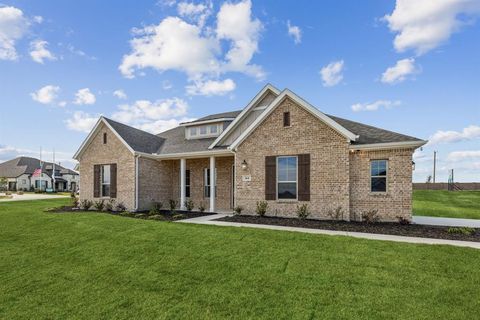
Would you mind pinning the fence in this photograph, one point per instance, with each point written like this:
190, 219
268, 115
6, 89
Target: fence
444, 186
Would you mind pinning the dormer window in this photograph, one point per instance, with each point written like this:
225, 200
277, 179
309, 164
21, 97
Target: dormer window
209, 130
193, 131
213, 128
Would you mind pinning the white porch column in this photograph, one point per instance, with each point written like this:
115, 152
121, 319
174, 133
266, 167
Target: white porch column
183, 165
212, 184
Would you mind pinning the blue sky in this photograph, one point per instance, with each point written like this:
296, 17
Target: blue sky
407, 66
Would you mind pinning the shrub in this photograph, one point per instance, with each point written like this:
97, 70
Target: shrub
8, 193
262, 208
99, 205
201, 207
156, 217
403, 220
179, 216
86, 204
74, 202
19, 192
370, 216
461, 230
238, 210
173, 204
302, 211
109, 205
120, 207
189, 205
32, 188
156, 208
141, 215
336, 214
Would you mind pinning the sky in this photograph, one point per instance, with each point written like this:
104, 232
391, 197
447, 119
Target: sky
408, 66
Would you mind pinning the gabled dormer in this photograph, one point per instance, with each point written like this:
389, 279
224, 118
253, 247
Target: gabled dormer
208, 127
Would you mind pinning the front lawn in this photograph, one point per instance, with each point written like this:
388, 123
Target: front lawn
448, 204
93, 265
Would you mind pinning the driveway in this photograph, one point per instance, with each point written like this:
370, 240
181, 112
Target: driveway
449, 222
32, 196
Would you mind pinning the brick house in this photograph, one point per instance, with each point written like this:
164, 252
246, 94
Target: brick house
278, 149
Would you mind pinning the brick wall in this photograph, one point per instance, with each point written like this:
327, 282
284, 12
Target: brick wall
154, 182
397, 201
329, 176
112, 152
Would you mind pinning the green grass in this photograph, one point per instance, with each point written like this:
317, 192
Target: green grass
91, 266
451, 204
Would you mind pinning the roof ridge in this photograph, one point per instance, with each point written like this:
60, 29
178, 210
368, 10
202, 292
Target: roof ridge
132, 127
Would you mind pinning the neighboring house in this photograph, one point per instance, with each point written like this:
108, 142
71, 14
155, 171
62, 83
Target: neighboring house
19, 175
278, 149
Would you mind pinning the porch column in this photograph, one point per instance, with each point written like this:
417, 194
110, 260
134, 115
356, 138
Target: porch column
212, 184
182, 183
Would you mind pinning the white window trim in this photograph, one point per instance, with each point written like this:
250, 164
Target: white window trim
205, 180
104, 184
385, 176
208, 134
296, 182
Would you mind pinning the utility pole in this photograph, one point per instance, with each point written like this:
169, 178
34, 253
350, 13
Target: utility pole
434, 164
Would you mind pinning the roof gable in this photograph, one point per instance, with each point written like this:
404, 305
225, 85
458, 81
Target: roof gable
302, 103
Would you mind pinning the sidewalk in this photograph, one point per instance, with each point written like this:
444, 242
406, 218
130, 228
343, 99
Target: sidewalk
448, 222
208, 220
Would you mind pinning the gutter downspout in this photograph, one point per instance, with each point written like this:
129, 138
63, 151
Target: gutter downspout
136, 182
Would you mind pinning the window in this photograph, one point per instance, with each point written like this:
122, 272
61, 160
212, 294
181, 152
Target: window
193, 131
203, 130
187, 183
287, 177
206, 182
105, 180
24, 181
104, 138
286, 119
213, 128
378, 173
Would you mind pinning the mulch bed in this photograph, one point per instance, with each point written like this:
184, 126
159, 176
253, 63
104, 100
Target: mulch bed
164, 215
409, 230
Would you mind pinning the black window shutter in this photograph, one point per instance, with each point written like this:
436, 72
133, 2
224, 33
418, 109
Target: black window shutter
304, 177
270, 177
113, 180
96, 180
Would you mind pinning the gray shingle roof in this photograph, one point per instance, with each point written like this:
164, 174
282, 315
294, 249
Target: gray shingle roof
26, 165
137, 139
369, 134
173, 141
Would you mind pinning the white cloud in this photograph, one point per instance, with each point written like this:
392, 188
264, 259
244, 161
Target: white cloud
400, 71
62, 104
463, 155
145, 111
46, 95
295, 32
387, 104
468, 133
84, 96
166, 85
39, 51
11, 152
197, 13
195, 49
13, 26
158, 126
211, 87
81, 121
332, 73
120, 94
424, 25
235, 23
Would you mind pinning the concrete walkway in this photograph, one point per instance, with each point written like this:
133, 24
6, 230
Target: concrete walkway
208, 220
32, 196
448, 222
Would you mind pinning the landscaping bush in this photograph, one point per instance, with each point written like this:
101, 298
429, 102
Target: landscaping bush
86, 204
8, 193
156, 208
189, 205
109, 205
461, 230
262, 208
99, 204
302, 211
370, 216
336, 214
120, 207
179, 216
238, 210
173, 204
74, 202
403, 220
141, 215
201, 207
156, 217
20, 192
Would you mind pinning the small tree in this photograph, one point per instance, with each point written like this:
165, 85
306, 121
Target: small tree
3, 183
262, 208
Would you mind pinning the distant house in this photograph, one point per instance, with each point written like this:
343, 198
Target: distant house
19, 171
278, 149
